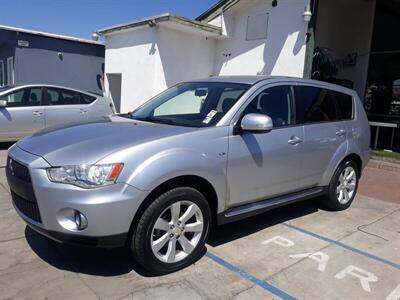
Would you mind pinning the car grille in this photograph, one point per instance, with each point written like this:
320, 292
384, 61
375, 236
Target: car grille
22, 193
28, 208
18, 170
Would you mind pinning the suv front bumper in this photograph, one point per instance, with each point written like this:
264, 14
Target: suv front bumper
45, 205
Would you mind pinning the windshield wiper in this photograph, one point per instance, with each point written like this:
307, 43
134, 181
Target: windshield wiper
153, 120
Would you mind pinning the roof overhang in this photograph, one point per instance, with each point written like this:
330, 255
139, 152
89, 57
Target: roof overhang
169, 21
50, 35
216, 10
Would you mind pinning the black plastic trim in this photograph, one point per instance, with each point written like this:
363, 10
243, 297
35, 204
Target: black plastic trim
110, 241
255, 208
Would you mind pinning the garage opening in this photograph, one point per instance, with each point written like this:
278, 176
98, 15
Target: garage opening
356, 46
114, 87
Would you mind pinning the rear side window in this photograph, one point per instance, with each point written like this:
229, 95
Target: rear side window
314, 105
57, 96
86, 99
345, 105
61, 97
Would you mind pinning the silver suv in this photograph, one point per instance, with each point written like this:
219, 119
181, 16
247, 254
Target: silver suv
209, 151
25, 109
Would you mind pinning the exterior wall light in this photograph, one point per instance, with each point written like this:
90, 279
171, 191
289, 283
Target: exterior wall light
152, 23
274, 3
307, 14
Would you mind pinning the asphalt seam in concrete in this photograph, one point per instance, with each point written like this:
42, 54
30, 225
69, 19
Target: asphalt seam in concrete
6, 189
261, 283
347, 247
18, 238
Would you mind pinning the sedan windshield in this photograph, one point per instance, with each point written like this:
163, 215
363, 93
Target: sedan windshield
193, 104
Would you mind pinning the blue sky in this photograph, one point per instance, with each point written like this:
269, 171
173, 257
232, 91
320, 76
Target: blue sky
82, 17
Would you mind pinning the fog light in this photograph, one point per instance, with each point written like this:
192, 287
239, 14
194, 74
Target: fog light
72, 219
80, 221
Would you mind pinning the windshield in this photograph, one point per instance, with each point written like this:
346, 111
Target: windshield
194, 104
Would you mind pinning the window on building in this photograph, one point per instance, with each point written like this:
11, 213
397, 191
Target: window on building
275, 102
2, 83
10, 70
257, 27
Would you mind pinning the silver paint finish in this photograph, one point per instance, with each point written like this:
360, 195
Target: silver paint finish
242, 168
256, 122
18, 122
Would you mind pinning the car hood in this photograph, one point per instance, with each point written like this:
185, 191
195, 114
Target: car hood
86, 143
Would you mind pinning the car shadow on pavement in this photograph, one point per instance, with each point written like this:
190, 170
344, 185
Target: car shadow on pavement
232, 231
85, 260
114, 262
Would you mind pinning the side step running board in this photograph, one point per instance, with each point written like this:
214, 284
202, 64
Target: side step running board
251, 209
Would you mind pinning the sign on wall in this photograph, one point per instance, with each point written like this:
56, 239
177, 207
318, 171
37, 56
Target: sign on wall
23, 43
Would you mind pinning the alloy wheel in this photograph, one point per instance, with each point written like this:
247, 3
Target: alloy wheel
346, 185
177, 231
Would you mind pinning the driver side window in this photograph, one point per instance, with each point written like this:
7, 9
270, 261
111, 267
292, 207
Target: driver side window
275, 102
24, 97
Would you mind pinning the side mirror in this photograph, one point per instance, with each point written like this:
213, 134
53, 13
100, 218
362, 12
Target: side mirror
257, 123
3, 103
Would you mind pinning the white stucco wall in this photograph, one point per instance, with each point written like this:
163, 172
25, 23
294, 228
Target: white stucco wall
282, 53
345, 27
152, 59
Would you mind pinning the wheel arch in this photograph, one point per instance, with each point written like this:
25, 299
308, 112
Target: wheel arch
357, 160
193, 181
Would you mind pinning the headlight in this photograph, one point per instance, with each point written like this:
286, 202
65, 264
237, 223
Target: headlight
86, 176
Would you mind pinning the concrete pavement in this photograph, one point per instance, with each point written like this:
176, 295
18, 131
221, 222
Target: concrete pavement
298, 251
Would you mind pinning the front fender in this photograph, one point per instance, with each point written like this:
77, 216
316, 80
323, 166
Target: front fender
173, 163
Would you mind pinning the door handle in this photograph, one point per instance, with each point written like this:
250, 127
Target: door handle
295, 140
83, 111
37, 113
341, 132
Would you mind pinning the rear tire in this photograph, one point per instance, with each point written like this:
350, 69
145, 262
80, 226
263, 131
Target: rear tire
172, 231
343, 187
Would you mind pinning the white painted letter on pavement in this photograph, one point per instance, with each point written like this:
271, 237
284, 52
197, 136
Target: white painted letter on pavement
320, 257
279, 240
365, 277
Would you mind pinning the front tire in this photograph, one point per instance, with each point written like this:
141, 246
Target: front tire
172, 231
343, 187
